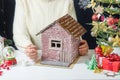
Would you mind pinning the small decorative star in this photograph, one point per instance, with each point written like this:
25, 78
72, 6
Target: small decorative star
92, 4
116, 41
99, 9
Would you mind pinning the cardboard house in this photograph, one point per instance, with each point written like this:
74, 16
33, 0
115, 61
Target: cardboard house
60, 41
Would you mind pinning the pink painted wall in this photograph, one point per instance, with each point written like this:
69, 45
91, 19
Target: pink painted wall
66, 53
75, 48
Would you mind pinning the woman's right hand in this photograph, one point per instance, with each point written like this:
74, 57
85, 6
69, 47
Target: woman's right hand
31, 52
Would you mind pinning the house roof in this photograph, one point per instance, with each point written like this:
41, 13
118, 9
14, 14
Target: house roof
70, 25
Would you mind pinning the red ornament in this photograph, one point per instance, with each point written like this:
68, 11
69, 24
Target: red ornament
95, 17
98, 50
116, 20
110, 21
102, 18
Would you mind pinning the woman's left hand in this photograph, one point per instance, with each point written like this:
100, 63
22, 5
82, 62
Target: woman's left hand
83, 47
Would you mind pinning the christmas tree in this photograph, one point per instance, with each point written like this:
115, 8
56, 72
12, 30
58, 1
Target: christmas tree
106, 22
106, 29
93, 63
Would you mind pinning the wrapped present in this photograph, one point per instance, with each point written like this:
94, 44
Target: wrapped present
111, 63
101, 52
99, 59
117, 68
107, 64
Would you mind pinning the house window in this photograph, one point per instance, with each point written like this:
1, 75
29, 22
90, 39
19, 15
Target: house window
55, 44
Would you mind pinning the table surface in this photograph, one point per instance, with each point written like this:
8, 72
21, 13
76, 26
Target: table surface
78, 72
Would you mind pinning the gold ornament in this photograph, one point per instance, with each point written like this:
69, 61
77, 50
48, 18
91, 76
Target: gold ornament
98, 26
116, 41
106, 50
92, 4
97, 70
99, 9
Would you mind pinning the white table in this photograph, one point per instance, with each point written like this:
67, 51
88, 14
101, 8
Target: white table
78, 72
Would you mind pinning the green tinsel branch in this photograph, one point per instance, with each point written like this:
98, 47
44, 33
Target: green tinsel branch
112, 11
108, 1
118, 23
100, 41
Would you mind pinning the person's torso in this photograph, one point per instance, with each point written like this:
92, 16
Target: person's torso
41, 13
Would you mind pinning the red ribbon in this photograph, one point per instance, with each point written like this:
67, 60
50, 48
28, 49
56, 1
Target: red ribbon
113, 57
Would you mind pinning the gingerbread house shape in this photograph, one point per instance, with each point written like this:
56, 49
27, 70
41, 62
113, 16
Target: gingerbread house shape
60, 41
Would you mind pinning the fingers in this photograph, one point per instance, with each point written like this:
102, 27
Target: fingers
31, 46
83, 48
31, 51
83, 51
83, 44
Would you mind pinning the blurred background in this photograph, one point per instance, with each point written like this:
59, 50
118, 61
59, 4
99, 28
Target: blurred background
7, 8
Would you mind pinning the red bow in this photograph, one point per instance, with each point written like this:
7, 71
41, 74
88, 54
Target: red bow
113, 57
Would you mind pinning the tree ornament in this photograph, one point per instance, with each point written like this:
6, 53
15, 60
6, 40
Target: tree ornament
97, 70
95, 17
98, 50
102, 18
92, 4
110, 39
99, 9
116, 41
106, 50
116, 20
110, 21
93, 63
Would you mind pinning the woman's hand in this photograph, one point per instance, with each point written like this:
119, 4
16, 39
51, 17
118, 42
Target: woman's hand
31, 52
83, 48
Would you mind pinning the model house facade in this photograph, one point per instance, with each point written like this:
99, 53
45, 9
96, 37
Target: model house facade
60, 41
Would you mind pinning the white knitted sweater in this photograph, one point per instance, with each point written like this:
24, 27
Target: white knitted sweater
31, 16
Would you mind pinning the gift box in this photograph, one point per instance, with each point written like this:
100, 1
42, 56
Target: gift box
117, 64
110, 65
99, 59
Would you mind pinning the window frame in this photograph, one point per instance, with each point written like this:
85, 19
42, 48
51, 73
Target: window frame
56, 41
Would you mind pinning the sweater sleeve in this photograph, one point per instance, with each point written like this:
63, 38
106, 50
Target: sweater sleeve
72, 12
71, 9
20, 32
